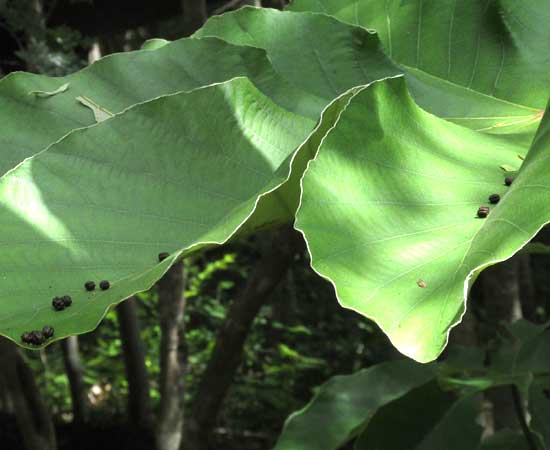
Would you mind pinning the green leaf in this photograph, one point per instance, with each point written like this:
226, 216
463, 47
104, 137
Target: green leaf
349, 58
523, 350
506, 440
345, 403
427, 419
483, 65
280, 206
117, 82
413, 414
174, 174
389, 212
458, 428
539, 408
318, 54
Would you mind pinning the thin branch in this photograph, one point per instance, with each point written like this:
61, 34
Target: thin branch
226, 356
521, 418
227, 6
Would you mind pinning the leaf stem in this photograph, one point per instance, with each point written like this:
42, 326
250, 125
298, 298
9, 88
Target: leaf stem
518, 406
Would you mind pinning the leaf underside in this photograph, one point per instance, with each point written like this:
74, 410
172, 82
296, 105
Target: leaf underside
195, 155
389, 209
94, 205
480, 64
346, 403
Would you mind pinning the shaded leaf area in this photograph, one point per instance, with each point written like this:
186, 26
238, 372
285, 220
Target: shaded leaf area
506, 440
119, 81
280, 205
40, 217
438, 413
389, 212
523, 352
522, 349
115, 82
539, 408
513, 359
102, 203
318, 53
321, 56
480, 64
517, 358
345, 404
428, 418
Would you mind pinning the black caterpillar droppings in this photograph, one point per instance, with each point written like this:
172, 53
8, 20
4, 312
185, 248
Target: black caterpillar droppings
104, 285
26, 338
47, 331
494, 198
483, 212
508, 181
163, 256
89, 285
37, 338
58, 304
67, 300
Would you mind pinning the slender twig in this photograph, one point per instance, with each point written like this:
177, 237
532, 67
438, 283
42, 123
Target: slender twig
226, 6
518, 406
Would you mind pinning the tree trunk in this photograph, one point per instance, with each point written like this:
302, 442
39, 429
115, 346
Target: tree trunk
194, 15
529, 302
73, 367
33, 418
6, 404
227, 353
139, 404
169, 426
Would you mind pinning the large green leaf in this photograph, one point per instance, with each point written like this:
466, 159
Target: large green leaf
427, 418
116, 83
389, 212
345, 404
480, 63
522, 350
350, 58
539, 409
506, 440
414, 415
30, 122
317, 53
172, 174
281, 204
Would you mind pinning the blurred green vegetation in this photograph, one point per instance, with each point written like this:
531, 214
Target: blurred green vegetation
300, 338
